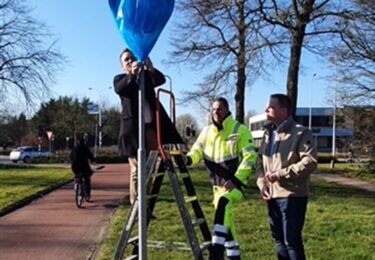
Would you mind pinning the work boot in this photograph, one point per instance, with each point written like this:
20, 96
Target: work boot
216, 252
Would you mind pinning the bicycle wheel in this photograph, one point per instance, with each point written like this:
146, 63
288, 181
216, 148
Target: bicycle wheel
84, 192
79, 194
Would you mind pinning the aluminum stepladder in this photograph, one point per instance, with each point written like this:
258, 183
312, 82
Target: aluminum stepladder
161, 162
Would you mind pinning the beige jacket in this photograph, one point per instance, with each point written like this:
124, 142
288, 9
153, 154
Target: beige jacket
294, 157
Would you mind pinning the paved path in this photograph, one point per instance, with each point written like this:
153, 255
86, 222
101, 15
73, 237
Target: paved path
54, 228
346, 181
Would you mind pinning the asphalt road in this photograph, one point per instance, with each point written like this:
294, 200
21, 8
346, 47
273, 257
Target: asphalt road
53, 228
4, 159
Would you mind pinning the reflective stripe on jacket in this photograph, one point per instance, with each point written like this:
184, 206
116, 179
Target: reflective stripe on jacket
228, 153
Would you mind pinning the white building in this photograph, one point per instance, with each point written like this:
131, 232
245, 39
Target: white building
321, 126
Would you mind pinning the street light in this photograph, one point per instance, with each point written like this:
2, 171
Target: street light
50, 136
334, 130
67, 142
98, 128
310, 108
170, 89
170, 82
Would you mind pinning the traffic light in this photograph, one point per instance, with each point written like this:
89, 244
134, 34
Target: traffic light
189, 131
40, 131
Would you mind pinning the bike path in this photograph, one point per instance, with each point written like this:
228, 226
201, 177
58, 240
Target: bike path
53, 227
336, 178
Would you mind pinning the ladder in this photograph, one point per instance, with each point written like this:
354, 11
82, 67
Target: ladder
184, 198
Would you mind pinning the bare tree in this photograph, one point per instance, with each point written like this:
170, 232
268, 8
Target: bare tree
362, 120
313, 25
214, 35
235, 38
27, 64
354, 57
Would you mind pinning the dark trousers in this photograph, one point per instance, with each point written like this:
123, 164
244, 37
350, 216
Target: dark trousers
87, 180
286, 219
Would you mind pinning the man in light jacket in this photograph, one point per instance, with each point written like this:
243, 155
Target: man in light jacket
286, 159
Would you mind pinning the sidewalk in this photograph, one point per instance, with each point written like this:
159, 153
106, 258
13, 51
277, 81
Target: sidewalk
54, 228
345, 181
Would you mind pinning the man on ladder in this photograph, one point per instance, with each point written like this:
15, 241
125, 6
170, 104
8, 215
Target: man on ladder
226, 146
126, 85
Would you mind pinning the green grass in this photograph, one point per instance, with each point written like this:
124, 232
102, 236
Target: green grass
340, 223
20, 183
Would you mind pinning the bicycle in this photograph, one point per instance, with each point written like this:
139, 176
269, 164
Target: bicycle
80, 191
80, 188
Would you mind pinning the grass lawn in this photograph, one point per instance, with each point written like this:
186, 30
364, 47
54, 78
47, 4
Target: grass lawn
20, 183
340, 223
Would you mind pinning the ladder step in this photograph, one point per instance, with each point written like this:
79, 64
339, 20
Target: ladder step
175, 152
205, 245
133, 240
151, 196
184, 174
197, 222
157, 174
171, 245
190, 198
176, 245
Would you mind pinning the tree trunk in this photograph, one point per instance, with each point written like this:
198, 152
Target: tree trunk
293, 69
241, 77
298, 34
240, 95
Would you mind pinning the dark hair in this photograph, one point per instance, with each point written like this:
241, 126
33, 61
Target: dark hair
223, 101
125, 50
284, 101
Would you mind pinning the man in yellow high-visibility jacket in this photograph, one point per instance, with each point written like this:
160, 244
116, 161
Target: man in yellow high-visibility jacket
226, 146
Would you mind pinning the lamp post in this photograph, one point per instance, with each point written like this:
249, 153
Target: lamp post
170, 82
98, 128
310, 108
170, 89
100, 122
67, 142
49, 135
334, 130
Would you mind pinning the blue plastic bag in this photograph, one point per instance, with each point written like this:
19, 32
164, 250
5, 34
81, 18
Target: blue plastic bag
140, 23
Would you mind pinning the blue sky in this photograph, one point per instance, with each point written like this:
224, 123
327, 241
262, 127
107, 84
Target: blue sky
88, 37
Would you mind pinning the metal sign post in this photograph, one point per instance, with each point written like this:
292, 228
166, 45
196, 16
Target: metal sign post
142, 222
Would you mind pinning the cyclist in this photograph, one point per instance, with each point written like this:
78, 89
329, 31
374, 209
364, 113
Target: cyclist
80, 158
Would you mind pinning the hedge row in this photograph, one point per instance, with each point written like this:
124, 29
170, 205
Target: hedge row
66, 159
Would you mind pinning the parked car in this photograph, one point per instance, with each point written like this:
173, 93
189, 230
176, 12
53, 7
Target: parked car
26, 153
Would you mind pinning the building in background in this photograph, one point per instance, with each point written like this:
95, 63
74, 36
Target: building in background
321, 126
